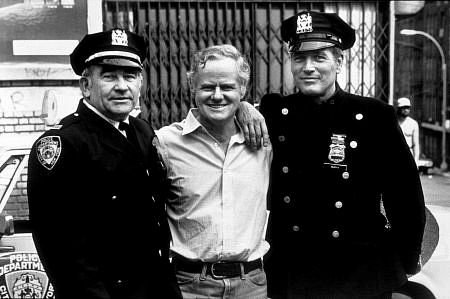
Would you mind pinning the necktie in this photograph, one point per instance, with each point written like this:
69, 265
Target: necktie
131, 135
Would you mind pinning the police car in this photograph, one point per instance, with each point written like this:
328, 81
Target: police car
22, 274
433, 281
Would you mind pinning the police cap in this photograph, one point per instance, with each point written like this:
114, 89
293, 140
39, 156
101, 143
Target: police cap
114, 47
312, 30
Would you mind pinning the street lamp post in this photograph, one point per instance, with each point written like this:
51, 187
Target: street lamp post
444, 90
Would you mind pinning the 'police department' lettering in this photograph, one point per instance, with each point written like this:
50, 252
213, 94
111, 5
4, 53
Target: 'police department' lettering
22, 275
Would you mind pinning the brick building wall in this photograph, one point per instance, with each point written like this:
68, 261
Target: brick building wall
21, 122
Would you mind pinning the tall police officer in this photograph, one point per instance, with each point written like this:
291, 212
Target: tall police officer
338, 158
98, 230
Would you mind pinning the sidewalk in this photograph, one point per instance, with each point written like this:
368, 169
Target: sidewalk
436, 188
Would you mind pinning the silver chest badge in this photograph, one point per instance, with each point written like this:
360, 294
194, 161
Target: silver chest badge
119, 38
337, 148
304, 23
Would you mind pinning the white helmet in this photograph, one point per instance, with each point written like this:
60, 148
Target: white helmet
403, 102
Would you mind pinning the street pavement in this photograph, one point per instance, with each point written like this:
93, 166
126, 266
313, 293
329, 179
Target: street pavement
436, 188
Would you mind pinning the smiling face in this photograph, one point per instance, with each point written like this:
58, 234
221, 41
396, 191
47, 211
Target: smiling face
217, 91
111, 90
315, 72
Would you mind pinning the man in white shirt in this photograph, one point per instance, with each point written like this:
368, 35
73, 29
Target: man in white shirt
409, 126
217, 185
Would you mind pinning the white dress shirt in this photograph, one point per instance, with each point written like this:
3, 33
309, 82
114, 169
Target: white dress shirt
217, 205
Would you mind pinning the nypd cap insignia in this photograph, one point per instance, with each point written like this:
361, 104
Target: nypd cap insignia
48, 151
114, 47
312, 30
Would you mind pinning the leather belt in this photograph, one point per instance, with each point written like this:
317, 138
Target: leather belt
218, 270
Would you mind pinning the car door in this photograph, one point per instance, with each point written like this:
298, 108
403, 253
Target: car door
22, 274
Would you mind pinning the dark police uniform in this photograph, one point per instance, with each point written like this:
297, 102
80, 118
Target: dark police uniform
98, 223
336, 164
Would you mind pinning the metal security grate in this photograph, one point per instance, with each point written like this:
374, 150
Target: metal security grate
175, 29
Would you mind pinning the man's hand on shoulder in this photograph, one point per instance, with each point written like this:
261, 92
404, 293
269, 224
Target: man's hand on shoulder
253, 124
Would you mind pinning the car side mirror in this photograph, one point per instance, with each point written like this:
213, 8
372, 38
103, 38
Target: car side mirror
6, 225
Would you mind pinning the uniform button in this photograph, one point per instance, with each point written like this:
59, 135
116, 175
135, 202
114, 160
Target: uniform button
335, 234
353, 144
345, 175
285, 169
114, 197
284, 111
359, 116
338, 204
295, 228
287, 199
75, 114
281, 138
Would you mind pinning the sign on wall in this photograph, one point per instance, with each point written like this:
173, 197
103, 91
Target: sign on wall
41, 30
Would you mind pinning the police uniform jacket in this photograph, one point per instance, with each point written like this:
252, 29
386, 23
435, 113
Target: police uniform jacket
97, 222
335, 165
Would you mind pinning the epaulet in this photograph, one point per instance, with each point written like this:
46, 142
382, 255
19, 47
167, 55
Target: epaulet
69, 120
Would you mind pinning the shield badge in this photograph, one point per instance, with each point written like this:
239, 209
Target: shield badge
304, 23
337, 148
27, 284
119, 37
48, 150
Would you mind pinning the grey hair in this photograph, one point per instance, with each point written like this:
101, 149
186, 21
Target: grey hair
87, 72
215, 52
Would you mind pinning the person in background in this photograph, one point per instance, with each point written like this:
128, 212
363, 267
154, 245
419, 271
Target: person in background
99, 225
217, 185
347, 208
409, 126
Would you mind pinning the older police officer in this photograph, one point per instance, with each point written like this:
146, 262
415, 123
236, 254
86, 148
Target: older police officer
99, 226
338, 158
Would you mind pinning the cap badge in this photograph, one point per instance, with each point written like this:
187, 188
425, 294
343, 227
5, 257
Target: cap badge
337, 148
48, 151
304, 23
119, 38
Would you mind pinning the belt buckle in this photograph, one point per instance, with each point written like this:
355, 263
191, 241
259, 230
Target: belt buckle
212, 271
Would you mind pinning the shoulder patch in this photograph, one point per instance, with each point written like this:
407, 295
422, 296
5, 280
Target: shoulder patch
48, 150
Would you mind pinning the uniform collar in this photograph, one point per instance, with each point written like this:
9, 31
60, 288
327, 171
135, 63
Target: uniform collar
109, 120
